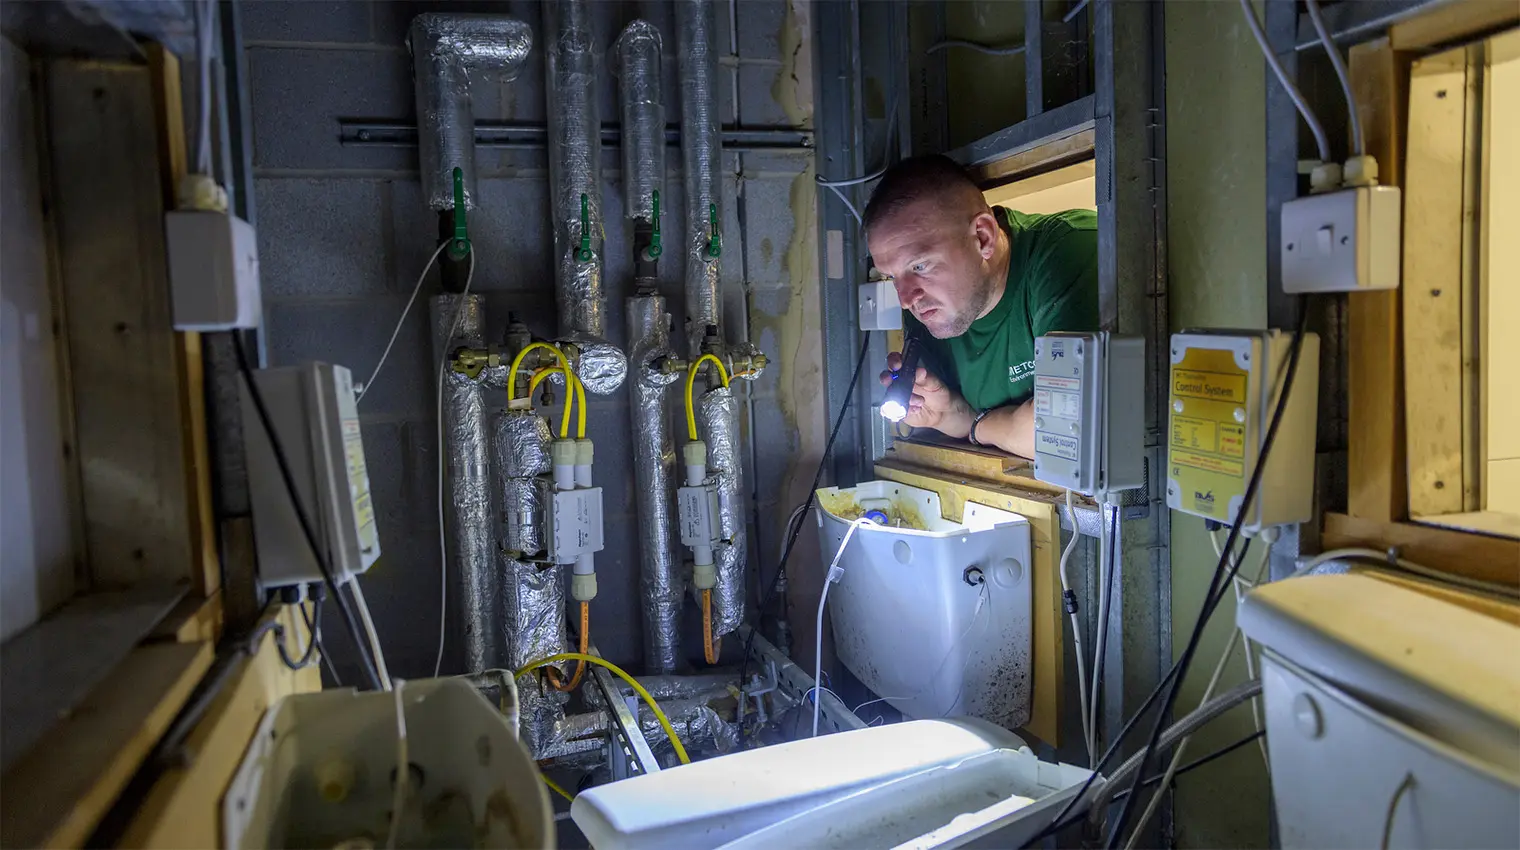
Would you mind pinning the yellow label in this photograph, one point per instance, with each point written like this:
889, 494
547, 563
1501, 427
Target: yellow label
1190, 433
1206, 462
1213, 386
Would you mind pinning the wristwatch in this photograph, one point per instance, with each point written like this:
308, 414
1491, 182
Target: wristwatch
975, 422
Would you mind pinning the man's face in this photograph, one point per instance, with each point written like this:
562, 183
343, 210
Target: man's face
938, 262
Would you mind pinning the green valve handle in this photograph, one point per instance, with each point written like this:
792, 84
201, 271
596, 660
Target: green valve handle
459, 246
655, 249
584, 254
715, 239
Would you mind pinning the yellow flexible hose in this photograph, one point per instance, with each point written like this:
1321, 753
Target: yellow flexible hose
517, 364
554, 786
621, 674
691, 377
574, 391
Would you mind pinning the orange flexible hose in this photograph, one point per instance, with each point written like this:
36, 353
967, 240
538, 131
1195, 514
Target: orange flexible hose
580, 668
710, 644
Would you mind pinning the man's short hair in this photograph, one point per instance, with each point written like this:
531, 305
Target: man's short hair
931, 176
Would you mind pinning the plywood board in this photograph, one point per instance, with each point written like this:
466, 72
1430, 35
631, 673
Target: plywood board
1438, 149
56, 795
1499, 276
182, 809
47, 670
1376, 480
1049, 652
1476, 556
1451, 22
965, 460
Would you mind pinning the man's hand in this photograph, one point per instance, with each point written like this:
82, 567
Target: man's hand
933, 404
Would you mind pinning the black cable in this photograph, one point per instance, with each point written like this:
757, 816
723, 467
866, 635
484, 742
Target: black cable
1219, 570
1058, 825
267, 423
1201, 760
791, 540
1129, 725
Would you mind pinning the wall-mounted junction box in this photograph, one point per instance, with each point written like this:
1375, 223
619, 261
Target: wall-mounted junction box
1089, 389
317, 424
213, 270
1224, 389
575, 524
879, 308
1342, 241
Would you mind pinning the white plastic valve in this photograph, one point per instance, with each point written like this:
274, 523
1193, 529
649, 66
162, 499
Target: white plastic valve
704, 576
583, 454
694, 455
583, 585
562, 454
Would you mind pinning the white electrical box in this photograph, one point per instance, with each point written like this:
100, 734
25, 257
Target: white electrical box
213, 270
317, 424
1224, 390
879, 308
1089, 389
697, 512
575, 524
1342, 241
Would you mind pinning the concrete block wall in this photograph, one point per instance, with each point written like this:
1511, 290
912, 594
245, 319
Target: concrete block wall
343, 235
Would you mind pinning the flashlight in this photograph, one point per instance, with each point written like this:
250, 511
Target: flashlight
895, 405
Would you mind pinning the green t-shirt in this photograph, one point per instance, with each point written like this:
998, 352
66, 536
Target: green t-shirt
1052, 286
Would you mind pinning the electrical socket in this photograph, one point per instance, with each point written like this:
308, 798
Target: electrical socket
1342, 241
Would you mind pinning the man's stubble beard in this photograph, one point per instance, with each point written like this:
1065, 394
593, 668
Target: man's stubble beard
964, 319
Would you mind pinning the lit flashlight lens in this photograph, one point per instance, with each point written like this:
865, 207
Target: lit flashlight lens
893, 411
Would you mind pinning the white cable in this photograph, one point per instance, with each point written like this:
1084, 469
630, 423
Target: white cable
1076, 632
443, 532
1374, 558
401, 321
369, 632
403, 769
203, 60
859, 222
1103, 578
832, 576
1208, 694
1320, 139
1339, 64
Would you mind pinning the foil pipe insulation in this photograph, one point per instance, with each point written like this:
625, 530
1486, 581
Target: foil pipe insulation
474, 584
534, 625
600, 365
660, 581
696, 28
718, 423
521, 441
575, 150
639, 57
448, 52
696, 723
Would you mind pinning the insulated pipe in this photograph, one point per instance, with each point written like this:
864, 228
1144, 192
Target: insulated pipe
643, 116
718, 420
474, 582
447, 50
653, 467
701, 163
575, 150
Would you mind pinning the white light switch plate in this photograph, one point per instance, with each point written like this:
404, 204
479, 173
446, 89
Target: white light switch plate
1342, 241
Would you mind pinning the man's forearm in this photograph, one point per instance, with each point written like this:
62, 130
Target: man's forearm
1009, 428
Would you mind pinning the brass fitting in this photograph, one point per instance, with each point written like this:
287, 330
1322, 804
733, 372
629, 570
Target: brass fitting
743, 367
672, 365
472, 361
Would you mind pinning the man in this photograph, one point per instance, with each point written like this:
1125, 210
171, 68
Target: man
980, 283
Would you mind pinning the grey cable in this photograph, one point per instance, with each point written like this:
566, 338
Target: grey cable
1200, 717
1320, 139
1075, 11
1357, 145
989, 49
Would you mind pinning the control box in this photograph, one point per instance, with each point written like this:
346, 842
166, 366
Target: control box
312, 409
213, 270
575, 524
1343, 241
1088, 391
1224, 390
697, 513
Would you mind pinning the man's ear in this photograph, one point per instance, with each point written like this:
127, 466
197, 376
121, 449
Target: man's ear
985, 229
